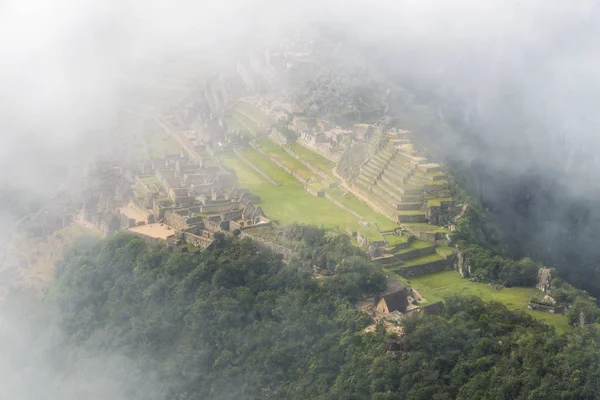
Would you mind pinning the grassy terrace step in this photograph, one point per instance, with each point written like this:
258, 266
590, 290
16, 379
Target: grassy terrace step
430, 176
395, 240
434, 287
389, 191
432, 167
290, 202
368, 214
377, 164
371, 169
403, 189
399, 170
440, 200
315, 159
426, 259
384, 196
250, 125
413, 253
365, 182
374, 198
369, 174
277, 152
391, 179
425, 227
401, 162
415, 205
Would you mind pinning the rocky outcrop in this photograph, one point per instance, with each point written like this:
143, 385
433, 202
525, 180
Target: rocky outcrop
462, 264
545, 308
544, 282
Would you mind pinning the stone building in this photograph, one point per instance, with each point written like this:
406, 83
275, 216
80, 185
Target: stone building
393, 301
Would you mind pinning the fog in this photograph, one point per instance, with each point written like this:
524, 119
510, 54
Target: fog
522, 79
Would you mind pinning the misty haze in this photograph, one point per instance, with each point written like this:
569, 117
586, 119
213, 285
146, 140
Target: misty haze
318, 200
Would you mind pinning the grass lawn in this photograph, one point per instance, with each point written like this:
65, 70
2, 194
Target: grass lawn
436, 286
422, 260
415, 245
276, 151
290, 202
315, 159
425, 227
394, 240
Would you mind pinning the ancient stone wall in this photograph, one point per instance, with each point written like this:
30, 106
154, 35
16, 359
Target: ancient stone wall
415, 253
137, 206
275, 248
424, 269
181, 222
198, 241
544, 308
218, 208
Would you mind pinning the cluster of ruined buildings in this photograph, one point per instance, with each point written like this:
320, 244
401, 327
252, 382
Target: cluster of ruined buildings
174, 199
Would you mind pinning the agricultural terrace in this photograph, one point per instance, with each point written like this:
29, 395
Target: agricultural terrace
293, 164
436, 286
315, 159
348, 200
289, 202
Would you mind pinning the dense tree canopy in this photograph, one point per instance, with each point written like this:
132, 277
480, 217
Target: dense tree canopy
236, 322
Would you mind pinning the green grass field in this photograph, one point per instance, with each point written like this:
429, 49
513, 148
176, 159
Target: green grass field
435, 287
290, 202
315, 159
276, 151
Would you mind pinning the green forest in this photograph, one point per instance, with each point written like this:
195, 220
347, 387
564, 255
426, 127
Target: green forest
235, 322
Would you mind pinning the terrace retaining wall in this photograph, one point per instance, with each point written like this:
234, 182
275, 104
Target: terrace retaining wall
278, 163
415, 253
306, 163
424, 269
340, 205
275, 248
239, 155
544, 308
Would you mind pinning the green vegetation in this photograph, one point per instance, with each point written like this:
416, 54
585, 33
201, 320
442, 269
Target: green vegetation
415, 245
394, 240
315, 159
436, 287
290, 202
348, 200
235, 322
487, 267
422, 260
277, 152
